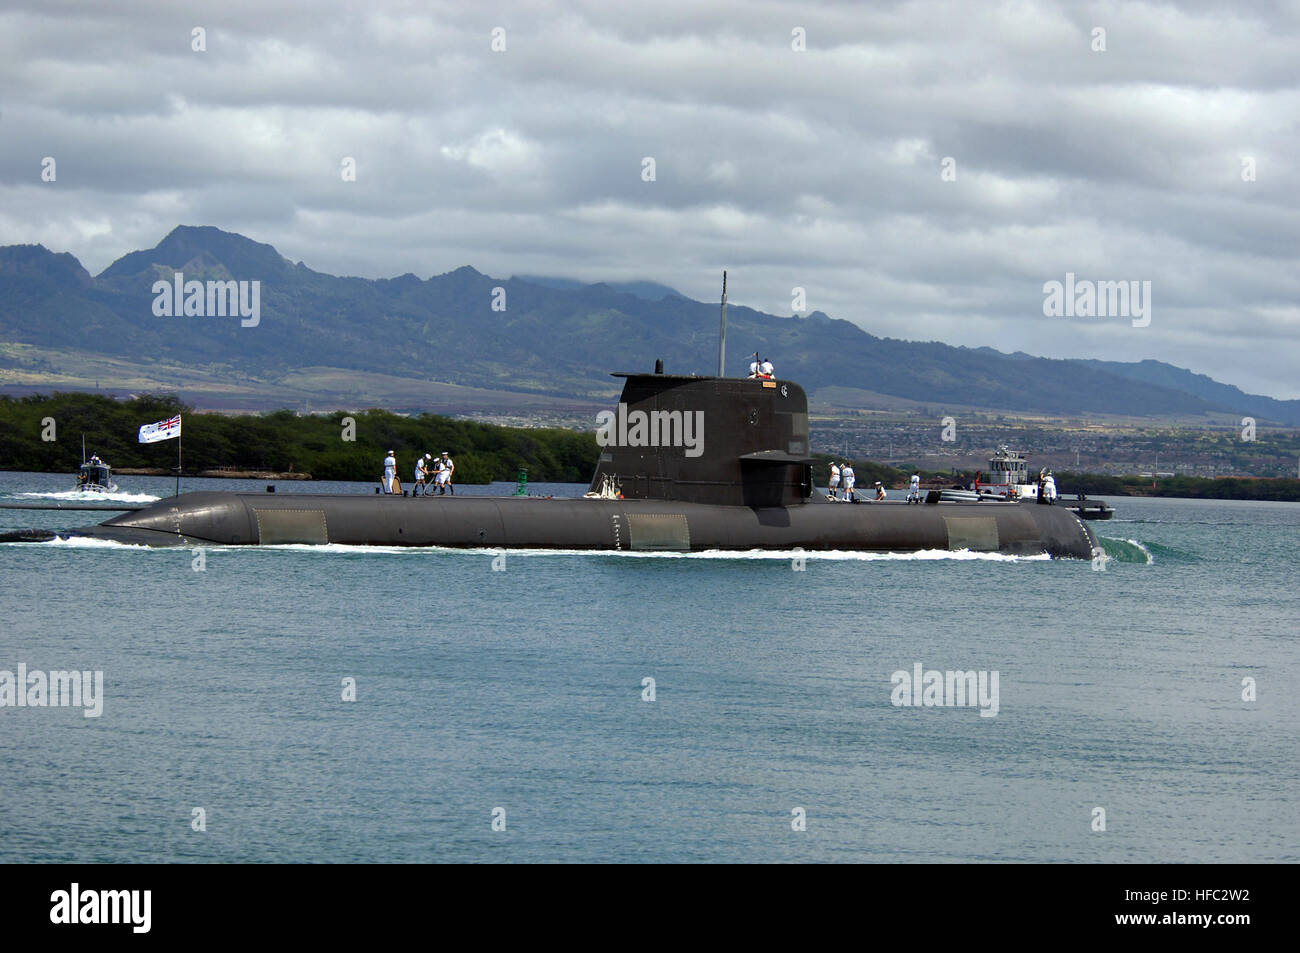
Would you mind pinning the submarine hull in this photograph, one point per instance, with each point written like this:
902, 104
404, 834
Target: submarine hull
686, 464
618, 525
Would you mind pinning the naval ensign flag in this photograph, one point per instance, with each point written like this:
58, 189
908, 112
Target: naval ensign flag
163, 430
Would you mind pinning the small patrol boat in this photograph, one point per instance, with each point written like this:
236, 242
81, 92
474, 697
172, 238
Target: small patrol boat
95, 476
1087, 509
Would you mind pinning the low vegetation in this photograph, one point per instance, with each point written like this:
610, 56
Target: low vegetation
280, 441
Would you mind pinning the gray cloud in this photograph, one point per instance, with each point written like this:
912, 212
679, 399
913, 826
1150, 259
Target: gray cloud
816, 169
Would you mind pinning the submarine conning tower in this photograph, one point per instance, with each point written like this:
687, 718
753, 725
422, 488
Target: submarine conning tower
720, 440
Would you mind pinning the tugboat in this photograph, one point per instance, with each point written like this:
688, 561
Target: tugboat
1008, 477
95, 476
1009, 480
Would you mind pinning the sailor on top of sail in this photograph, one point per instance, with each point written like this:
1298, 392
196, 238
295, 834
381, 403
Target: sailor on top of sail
766, 371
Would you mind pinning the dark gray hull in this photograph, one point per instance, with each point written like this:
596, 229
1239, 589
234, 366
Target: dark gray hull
531, 523
701, 463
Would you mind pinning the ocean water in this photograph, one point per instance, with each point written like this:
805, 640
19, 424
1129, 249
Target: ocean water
519, 693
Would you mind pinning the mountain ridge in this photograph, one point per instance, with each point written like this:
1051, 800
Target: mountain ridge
559, 337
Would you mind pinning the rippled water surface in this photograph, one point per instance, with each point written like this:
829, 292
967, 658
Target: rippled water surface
522, 689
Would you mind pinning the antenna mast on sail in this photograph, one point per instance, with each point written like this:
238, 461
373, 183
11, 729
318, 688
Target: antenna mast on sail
722, 331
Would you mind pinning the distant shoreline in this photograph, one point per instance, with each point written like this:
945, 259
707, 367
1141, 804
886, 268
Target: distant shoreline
222, 474
1276, 489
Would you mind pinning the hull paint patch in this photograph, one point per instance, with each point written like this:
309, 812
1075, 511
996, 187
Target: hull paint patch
979, 534
276, 526
658, 531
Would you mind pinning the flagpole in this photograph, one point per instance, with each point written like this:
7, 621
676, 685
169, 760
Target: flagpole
178, 464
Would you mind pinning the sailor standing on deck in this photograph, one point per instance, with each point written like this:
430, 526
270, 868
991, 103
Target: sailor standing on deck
914, 490
444, 474
835, 480
390, 471
850, 479
420, 474
1049, 487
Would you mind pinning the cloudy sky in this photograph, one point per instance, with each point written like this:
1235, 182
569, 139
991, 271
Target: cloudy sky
1169, 156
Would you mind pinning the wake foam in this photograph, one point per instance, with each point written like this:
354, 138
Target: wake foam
778, 555
76, 496
833, 555
88, 542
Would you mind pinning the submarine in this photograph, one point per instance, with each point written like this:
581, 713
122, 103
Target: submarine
687, 464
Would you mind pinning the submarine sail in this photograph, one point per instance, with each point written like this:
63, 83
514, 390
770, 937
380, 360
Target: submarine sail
713, 440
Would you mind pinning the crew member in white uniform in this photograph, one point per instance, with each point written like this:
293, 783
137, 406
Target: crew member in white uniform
880, 492
914, 491
850, 479
754, 366
390, 471
419, 476
766, 370
835, 480
444, 475
1049, 487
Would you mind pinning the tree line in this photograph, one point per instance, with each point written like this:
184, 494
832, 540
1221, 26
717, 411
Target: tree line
280, 441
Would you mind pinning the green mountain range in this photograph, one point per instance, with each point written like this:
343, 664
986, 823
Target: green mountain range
501, 345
